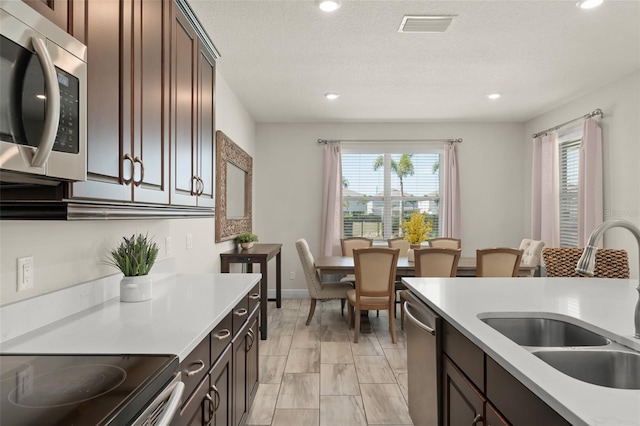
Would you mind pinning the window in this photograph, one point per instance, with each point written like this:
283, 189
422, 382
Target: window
569, 165
381, 187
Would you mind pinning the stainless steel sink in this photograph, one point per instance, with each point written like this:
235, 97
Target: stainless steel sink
545, 332
612, 369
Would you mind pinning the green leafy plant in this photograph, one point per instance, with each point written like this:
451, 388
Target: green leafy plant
134, 256
246, 237
417, 228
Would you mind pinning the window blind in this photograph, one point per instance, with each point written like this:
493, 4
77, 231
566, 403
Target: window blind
569, 164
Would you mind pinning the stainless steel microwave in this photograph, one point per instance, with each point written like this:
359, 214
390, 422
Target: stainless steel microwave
43, 99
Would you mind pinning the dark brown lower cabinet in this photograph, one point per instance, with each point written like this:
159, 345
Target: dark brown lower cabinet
245, 369
463, 404
493, 418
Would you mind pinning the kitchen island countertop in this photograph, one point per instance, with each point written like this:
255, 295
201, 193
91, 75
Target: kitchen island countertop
605, 306
184, 309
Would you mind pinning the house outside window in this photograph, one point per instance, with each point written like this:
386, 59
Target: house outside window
382, 186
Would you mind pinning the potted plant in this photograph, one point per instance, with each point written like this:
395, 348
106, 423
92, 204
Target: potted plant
246, 239
416, 231
134, 257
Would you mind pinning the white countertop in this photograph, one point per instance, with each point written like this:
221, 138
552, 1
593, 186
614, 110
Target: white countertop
184, 309
605, 305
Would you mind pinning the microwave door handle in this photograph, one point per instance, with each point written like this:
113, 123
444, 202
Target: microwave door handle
52, 115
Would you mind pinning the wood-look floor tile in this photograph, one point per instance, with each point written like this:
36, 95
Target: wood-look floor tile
305, 338
374, 369
291, 304
335, 353
299, 391
384, 337
333, 334
264, 404
338, 379
272, 368
342, 410
404, 385
367, 345
296, 417
281, 328
303, 361
275, 345
384, 404
397, 358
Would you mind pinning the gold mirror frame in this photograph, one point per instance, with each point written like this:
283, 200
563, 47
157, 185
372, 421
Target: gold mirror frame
228, 152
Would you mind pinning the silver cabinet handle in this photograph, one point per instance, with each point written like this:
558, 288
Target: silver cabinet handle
201, 186
476, 419
195, 185
52, 115
138, 182
252, 336
241, 312
254, 296
197, 370
131, 160
214, 403
414, 320
223, 334
172, 406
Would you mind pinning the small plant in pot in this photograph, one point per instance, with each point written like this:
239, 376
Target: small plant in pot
246, 239
134, 257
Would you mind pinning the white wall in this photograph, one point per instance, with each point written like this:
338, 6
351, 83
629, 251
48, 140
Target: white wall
620, 103
69, 253
288, 176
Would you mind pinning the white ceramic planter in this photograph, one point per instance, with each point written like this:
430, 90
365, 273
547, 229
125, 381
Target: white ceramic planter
246, 245
136, 289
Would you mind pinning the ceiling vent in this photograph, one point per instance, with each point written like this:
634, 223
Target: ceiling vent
425, 24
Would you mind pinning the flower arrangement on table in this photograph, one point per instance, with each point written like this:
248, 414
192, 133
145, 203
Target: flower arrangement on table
416, 231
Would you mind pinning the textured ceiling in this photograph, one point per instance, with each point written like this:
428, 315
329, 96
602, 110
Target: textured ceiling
280, 57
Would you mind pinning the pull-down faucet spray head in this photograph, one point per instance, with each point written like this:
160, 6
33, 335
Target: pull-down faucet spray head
586, 264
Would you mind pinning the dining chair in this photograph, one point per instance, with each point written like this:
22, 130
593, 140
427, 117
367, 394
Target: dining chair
532, 254
498, 262
318, 290
399, 243
445, 242
347, 245
375, 285
433, 262
562, 262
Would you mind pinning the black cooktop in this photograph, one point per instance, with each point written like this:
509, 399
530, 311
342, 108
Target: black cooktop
79, 390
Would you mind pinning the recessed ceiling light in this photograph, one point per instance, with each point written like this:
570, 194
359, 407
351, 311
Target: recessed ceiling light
494, 95
588, 4
329, 5
331, 96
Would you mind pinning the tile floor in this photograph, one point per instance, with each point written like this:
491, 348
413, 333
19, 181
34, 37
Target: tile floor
315, 375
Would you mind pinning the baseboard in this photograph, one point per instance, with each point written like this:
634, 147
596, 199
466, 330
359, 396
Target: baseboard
292, 293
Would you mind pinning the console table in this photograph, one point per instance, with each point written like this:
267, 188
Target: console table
261, 254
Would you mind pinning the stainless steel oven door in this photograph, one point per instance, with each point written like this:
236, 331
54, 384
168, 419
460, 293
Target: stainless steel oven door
42, 103
163, 409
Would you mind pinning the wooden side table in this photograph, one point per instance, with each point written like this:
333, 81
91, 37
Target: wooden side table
261, 254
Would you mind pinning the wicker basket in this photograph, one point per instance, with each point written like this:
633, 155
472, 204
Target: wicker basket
561, 262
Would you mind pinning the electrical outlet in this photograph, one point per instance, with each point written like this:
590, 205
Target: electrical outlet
25, 273
167, 245
189, 241
292, 275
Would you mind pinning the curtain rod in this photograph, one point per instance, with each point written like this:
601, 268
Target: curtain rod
584, 117
326, 141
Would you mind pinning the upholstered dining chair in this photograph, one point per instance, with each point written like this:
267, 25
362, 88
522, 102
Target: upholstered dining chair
318, 290
399, 243
498, 262
347, 245
532, 254
445, 242
562, 262
433, 262
375, 285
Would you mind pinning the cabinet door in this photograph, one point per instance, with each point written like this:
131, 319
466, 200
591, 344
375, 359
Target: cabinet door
149, 118
206, 126
219, 409
241, 404
105, 82
57, 11
463, 404
184, 60
252, 360
494, 418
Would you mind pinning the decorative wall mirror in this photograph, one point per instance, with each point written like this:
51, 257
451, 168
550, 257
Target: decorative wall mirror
234, 177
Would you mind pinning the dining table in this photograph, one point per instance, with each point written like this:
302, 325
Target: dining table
344, 265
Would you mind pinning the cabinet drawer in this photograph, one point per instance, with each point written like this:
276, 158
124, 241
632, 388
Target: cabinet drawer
465, 354
221, 337
518, 404
192, 411
240, 314
254, 297
195, 366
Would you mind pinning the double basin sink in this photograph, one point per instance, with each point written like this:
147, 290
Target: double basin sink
573, 350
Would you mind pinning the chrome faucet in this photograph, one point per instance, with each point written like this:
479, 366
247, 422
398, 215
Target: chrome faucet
587, 261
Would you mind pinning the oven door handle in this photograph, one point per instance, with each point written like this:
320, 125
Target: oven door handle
172, 406
52, 115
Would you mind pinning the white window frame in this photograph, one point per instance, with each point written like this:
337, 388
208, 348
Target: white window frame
570, 139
